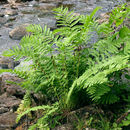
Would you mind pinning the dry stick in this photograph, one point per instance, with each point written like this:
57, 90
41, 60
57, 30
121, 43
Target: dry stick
121, 117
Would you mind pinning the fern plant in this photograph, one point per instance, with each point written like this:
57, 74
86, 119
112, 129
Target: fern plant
64, 63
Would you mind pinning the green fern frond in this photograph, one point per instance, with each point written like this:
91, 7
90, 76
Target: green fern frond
5, 70
34, 29
43, 121
65, 63
98, 75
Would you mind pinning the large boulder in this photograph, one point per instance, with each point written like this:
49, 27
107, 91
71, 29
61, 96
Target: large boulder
18, 32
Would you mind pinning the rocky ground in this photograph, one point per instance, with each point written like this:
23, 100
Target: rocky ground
10, 98
15, 15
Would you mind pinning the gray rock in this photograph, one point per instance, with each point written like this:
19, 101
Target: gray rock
11, 102
8, 102
11, 12
11, 89
7, 120
2, 105
2, 20
46, 6
49, 1
8, 25
11, 19
8, 63
18, 32
3, 110
13, 1
1, 14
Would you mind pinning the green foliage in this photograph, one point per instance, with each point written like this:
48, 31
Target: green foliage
126, 121
96, 81
64, 63
24, 106
119, 14
43, 122
5, 70
107, 58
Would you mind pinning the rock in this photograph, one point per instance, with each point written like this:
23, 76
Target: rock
2, 105
49, 1
8, 25
14, 7
46, 6
11, 89
3, 110
11, 19
18, 32
127, 22
12, 2
104, 17
11, 12
7, 121
8, 63
2, 20
1, 14
11, 102
5, 62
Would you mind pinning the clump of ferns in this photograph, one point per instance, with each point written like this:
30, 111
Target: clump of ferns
65, 66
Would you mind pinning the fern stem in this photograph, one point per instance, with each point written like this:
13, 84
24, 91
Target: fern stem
55, 70
78, 54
